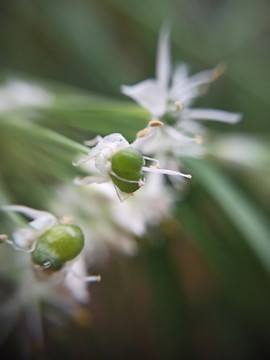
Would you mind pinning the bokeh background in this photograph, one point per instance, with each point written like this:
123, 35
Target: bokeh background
200, 286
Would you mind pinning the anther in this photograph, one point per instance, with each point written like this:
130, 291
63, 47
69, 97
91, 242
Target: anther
3, 238
178, 105
155, 123
142, 133
64, 220
198, 140
218, 71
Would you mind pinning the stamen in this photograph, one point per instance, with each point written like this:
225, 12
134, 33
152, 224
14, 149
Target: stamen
155, 123
166, 172
218, 71
156, 165
3, 238
65, 220
198, 140
178, 105
120, 194
142, 133
92, 278
28, 250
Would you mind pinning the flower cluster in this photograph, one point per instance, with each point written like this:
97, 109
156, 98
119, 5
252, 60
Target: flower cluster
54, 244
116, 169
169, 98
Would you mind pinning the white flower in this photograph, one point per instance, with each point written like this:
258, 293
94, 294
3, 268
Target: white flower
64, 290
172, 93
17, 93
101, 154
25, 239
168, 142
111, 224
152, 204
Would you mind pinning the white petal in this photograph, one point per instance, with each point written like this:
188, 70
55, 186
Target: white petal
163, 66
75, 280
177, 135
186, 88
94, 141
24, 238
213, 115
149, 95
202, 78
82, 160
114, 142
179, 80
44, 222
141, 140
42, 219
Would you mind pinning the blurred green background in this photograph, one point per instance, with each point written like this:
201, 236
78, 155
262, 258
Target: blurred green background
199, 289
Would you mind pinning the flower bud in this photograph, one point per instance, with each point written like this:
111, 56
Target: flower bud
126, 169
57, 245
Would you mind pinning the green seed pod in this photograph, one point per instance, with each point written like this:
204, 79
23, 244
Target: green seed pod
57, 245
127, 165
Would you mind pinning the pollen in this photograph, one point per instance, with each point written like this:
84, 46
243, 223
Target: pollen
155, 123
142, 133
3, 238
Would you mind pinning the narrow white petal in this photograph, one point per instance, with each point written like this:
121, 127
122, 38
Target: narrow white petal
177, 135
82, 160
24, 238
29, 212
139, 141
213, 115
44, 222
94, 141
179, 80
186, 88
149, 94
202, 78
41, 218
112, 142
163, 66
76, 280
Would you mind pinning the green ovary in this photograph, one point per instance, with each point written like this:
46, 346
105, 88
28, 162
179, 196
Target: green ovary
57, 245
127, 164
